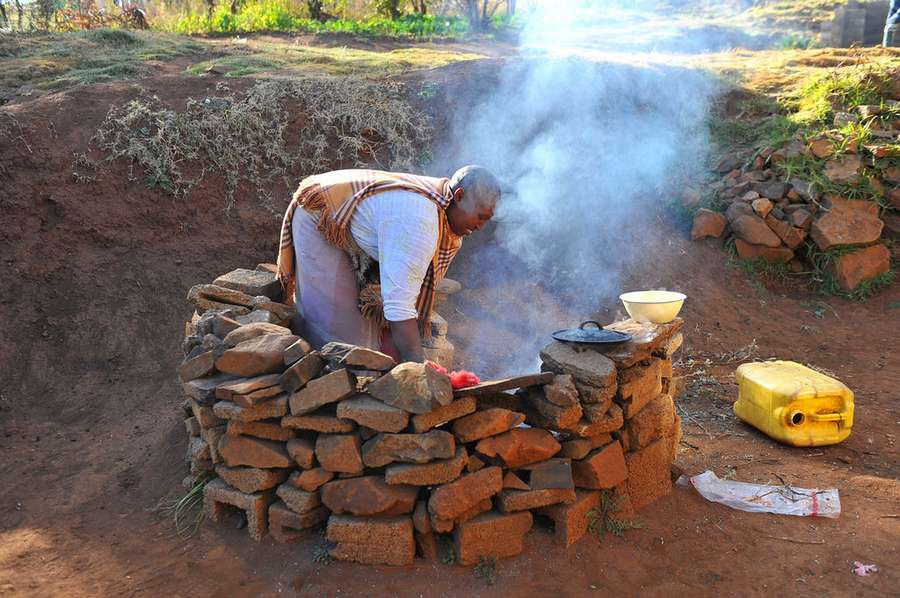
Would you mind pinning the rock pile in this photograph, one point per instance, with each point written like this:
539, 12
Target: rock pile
786, 219
389, 457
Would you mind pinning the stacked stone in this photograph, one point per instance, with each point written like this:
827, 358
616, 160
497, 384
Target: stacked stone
390, 457
614, 409
779, 219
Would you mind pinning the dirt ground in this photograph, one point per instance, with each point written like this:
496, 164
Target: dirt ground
93, 299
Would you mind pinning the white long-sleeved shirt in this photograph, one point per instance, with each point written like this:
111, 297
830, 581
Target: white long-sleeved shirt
399, 229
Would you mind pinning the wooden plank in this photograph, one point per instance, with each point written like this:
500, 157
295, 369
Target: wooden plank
493, 386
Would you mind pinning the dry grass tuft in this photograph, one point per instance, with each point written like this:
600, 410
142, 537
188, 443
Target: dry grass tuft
279, 129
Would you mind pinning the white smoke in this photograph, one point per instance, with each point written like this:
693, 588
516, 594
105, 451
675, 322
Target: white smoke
589, 149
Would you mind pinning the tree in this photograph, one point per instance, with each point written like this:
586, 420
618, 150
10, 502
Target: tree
478, 12
315, 9
420, 6
389, 8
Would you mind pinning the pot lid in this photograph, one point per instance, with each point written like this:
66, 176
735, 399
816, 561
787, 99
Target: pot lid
593, 335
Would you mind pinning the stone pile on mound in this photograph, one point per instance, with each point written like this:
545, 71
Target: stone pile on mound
389, 456
781, 218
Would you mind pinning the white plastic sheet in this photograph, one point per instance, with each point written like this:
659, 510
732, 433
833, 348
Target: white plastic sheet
762, 498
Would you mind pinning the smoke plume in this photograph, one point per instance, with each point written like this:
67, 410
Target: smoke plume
589, 146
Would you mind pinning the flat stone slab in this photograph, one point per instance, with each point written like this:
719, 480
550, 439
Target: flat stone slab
491, 534
646, 338
286, 526
251, 282
408, 448
372, 541
368, 496
413, 387
251, 479
372, 413
586, 365
492, 386
428, 474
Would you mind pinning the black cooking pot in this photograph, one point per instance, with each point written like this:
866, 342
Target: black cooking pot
591, 336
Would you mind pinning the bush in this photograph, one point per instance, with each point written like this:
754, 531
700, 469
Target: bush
281, 15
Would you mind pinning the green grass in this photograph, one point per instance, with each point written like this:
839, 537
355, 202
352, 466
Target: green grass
795, 12
264, 56
36, 63
602, 519
486, 569
186, 511
53, 61
285, 16
823, 274
821, 96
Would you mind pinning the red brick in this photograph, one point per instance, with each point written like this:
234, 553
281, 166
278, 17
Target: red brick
251, 479
428, 474
255, 452
550, 474
295, 352
491, 534
205, 415
522, 500
310, 479
570, 521
339, 453
243, 386
217, 497
323, 423
610, 423
520, 446
648, 473
585, 365
275, 407
638, 385
451, 500
368, 496
268, 429
287, 527
260, 355
646, 338
299, 501
514, 482
330, 388
372, 541
443, 526
254, 330
544, 414
198, 366
441, 415
482, 424
408, 448
654, 421
602, 468
372, 413
297, 376
413, 387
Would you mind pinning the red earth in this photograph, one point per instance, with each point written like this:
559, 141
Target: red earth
94, 283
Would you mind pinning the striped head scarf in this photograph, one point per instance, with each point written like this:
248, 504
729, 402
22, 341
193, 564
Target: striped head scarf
334, 196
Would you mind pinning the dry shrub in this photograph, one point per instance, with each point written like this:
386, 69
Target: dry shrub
279, 129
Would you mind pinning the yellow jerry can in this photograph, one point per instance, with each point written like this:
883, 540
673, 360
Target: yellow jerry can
793, 403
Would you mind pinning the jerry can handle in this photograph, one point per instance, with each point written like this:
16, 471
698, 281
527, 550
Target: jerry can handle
827, 417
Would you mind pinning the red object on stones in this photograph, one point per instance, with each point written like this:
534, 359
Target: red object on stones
463, 378
459, 378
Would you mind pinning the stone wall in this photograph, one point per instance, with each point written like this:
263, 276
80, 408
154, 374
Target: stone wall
389, 457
